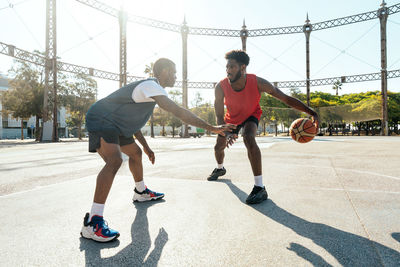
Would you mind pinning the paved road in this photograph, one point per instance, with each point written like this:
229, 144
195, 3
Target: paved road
334, 201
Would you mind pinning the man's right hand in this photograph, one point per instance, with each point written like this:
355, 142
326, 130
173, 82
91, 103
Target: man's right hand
221, 129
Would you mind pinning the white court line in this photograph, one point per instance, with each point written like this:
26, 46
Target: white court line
86, 178
351, 170
355, 190
234, 146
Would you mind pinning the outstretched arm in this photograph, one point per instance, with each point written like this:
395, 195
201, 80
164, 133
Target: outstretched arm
219, 112
185, 115
266, 87
219, 104
139, 136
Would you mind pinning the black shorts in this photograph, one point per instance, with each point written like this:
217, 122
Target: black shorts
109, 137
240, 126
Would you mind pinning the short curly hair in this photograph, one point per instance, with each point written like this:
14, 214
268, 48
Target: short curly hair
239, 55
161, 64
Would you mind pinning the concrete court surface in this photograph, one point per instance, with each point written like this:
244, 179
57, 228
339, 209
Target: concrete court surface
333, 202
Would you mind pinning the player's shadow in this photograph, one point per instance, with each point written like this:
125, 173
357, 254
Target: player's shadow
396, 236
135, 253
349, 249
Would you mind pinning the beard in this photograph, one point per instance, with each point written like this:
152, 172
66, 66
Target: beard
237, 77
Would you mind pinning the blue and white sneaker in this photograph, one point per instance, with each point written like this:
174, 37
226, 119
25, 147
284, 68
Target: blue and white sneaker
146, 195
97, 229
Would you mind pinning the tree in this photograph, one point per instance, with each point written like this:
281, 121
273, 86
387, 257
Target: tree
25, 95
78, 96
205, 112
394, 110
198, 100
161, 118
336, 86
173, 121
149, 69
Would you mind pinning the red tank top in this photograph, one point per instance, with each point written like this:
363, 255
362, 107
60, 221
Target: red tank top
243, 104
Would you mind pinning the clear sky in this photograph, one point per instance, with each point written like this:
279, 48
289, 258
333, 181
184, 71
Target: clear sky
91, 38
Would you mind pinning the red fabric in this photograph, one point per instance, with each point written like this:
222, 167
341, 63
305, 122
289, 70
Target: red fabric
243, 104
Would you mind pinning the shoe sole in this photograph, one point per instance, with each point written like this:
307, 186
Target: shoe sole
256, 202
100, 241
214, 179
152, 199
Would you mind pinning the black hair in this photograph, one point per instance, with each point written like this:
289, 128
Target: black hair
161, 64
239, 55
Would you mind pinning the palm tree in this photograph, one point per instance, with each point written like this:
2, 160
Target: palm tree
149, 69
336, 86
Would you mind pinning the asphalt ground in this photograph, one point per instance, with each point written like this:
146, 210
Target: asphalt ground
332, 202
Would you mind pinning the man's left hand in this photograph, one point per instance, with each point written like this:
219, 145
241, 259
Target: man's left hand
150, 154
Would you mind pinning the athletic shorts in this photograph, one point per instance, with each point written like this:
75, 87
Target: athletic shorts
240, 126
109, 137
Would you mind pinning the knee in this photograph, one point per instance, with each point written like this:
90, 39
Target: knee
137, 154
114, 163
219, 147
249, 141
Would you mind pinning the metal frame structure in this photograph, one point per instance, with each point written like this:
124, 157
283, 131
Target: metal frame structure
50, 74
237, 33
12, 51
52, 65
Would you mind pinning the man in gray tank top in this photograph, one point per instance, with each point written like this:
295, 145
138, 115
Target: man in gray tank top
113, 121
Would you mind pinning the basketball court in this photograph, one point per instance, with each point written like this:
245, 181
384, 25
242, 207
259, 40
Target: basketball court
333, 201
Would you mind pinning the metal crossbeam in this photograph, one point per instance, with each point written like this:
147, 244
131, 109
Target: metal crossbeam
236, 33
100, 6
135, 19
37, 59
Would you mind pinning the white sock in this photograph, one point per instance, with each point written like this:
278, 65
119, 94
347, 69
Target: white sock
258, 181
220, 166
140, 186
97, 209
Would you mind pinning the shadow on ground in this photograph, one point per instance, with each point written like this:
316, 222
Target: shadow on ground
348, 249
135, 253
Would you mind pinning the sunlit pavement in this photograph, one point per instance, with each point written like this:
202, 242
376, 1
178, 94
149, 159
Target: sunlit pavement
334, 201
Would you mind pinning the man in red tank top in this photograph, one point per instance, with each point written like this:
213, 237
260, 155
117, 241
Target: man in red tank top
241, 93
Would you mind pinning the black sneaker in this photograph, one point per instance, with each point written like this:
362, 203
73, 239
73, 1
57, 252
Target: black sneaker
257, 195
216, 173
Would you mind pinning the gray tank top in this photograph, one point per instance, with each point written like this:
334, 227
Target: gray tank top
118, 113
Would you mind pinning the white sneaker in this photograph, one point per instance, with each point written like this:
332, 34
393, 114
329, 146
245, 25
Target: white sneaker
97, 229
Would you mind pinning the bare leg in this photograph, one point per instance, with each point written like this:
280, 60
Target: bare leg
253, 151
135, 160
111, 155
219, 149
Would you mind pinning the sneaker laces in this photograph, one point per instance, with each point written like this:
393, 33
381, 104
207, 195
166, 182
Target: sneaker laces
147, 190
255, 190
101, 224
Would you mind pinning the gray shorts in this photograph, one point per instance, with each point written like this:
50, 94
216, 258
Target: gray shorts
109, 137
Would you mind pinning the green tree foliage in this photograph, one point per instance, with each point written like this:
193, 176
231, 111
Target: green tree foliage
149, 69
206, 112
173, 121
161, 118
198, 100
337, 86
25, 95
356, 108
394, 110
77, 96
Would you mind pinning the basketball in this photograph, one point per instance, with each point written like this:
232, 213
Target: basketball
303, 130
